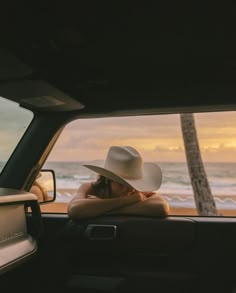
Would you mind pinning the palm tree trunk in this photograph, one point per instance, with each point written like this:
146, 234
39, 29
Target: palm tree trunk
204, 200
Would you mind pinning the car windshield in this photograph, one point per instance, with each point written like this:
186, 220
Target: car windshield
14, 120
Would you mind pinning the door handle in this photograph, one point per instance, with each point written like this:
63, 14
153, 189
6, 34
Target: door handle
101, 232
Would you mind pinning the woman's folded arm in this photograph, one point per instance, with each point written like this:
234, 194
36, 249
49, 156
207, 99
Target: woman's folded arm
80, 208
154, 206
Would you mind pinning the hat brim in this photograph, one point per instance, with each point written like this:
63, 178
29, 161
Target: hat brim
151, 180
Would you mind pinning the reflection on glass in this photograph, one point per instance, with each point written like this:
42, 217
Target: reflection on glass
43, 186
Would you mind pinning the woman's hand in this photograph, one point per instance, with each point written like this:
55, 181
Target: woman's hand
137, 195
148, 193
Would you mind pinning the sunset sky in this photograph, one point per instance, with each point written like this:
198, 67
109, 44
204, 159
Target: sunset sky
158, 138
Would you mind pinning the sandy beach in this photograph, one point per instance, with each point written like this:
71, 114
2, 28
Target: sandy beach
61, 207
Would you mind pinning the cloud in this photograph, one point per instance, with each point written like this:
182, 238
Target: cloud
142, 127
169, 149
155, 136
218, 120
218, 148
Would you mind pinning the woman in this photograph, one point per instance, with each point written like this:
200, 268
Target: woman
125, 185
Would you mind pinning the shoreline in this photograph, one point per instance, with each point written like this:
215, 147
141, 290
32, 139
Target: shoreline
61, 207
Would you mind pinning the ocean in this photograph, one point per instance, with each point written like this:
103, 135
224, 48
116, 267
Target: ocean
221, 177
176, 182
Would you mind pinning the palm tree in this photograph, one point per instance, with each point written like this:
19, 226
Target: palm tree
204, 200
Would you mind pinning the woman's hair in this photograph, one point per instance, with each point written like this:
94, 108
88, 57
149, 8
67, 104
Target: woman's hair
102, 187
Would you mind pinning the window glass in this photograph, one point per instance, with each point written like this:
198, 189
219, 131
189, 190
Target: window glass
160, 139
13, 122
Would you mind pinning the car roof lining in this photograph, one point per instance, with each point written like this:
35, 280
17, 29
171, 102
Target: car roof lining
121, 58
41, 97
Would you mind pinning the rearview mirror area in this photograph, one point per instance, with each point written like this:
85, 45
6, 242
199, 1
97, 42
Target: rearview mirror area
44, 186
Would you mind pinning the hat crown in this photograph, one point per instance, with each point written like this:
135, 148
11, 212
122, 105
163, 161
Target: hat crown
125, 161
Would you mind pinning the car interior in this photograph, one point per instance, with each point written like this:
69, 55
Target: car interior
67, 61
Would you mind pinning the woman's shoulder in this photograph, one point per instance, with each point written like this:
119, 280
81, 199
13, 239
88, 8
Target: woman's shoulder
85, 186
84, 190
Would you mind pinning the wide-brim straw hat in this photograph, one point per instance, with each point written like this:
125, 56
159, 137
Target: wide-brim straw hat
124, 165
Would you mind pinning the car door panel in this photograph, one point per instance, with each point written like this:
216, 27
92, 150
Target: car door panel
177, 253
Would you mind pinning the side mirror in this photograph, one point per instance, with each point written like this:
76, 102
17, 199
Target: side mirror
44, 186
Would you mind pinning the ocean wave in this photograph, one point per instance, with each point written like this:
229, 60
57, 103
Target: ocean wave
83, 177
174, 201
176, 180
178, 201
